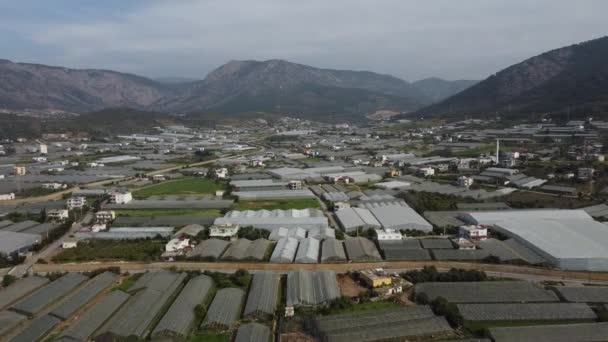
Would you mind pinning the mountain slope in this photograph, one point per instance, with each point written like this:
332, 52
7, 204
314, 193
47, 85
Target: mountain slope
437, 89
33, 86
277, 85
572, 78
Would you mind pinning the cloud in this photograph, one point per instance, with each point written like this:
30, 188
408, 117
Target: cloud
410, 39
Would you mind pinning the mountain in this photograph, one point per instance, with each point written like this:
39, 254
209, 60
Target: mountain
437, 89
281, 86
34, 86
273, 86
572, 79
175, 80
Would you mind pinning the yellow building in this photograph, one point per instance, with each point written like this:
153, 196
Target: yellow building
373, 279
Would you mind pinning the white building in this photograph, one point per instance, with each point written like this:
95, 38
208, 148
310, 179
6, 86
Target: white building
19, 170
7, 197
54, 186
57, 214
388, 234
473, 232
425, 171
465, 181
177, 244
44, 149
76, 202
105, 216
69, 243
121, 197
222, 231
221, 173
39, 159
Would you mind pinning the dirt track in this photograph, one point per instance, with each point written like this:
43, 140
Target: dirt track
343, 267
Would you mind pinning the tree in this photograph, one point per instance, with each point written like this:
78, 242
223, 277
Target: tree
8, 279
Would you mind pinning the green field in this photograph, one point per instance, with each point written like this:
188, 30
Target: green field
167, 212
182, 186
143, 250
300, 203
210, 337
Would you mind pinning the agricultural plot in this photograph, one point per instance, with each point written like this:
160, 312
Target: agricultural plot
9, 320
19, 289
361, 249
83, 295
311, 288
285, 250
263, 296
389, 324
295, 203
179, 319
154, 213
151, 293
404, 250
112, 249
49, 294
176, 203
253, 332
459, 254
551, 333
487, 292
436, 244
225, 309
96, 316
183, 186
243, 249
210, 249
39, 328
332, 250
535, 312
584, 294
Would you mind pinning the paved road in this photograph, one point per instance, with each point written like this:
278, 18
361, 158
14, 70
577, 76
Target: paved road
49, 250
498, 270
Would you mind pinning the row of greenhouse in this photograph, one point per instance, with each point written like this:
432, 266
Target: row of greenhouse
288, 250
158, 305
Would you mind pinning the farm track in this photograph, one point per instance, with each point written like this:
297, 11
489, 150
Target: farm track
504, 270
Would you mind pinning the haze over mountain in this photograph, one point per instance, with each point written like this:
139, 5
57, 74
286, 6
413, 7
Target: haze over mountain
437, 89
238, 86
571, 79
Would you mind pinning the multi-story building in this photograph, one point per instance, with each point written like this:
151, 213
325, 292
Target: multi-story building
473, 232
585, 173
19, 170
105, 216
57, 214
465, 181
76, 202
119, 197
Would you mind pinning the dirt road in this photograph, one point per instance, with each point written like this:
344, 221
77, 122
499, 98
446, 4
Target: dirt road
533, 273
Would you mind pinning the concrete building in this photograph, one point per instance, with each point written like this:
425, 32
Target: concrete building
585, 173
374, 278
57, 214
119, 197
465, 181
177, 244
222, 231
473, 232
76, 202
105, 216
19, 170
7, 197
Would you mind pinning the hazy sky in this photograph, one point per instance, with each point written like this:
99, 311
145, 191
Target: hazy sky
452, 39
